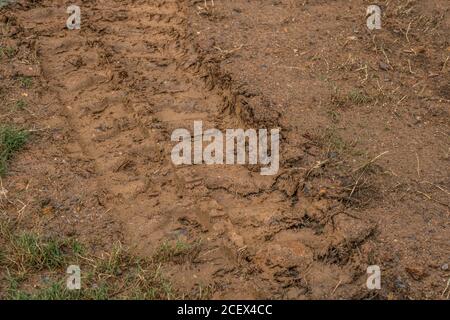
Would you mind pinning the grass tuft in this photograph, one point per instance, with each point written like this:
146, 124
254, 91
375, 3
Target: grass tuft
351, 98
8, 52
11, 140
21, 104
32, 252
34, 268
358, 97
25, 82
178, 252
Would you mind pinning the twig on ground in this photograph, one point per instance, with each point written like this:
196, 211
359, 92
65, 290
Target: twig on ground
371, 161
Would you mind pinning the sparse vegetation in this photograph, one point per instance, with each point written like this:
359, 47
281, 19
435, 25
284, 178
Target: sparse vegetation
330, 140
8, 52
178, 251
334, 116
25, 82
11, 140
351, 98
358, 97
30, 251
21, 104
112, 275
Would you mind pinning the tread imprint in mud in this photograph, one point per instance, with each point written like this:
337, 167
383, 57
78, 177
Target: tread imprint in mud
128, 79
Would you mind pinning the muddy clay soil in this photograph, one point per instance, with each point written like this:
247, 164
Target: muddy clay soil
364, 159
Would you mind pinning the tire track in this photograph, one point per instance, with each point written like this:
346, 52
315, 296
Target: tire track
128, 79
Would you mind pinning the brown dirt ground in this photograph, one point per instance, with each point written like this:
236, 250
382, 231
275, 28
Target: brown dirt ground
364, 117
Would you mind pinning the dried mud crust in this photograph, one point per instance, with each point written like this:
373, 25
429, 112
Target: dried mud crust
109, 97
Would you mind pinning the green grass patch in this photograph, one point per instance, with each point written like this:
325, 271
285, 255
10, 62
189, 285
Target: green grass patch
8, 52
25, 82
34, 268
11, 141
21, 104
32, 252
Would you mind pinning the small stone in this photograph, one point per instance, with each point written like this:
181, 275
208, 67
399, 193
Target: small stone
384, 66
306, 189
399, 284
444, 267
332, 155
237, 240
214, 213
179, 233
